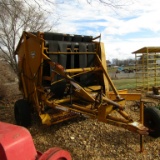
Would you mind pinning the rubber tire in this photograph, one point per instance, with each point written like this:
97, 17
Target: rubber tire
152, 121
22, 113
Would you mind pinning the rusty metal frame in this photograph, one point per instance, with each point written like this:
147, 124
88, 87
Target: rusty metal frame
99, 108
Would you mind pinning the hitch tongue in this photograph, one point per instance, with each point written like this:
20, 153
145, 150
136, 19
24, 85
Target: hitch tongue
138, 128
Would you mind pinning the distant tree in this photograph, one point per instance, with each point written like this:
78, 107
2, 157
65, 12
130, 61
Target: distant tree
15, 18
115, 61
124, 62
108, 63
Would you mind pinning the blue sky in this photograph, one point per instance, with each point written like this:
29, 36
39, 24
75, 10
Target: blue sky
123, 31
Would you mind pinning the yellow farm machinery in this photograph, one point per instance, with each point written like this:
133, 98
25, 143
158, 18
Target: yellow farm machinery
64, 75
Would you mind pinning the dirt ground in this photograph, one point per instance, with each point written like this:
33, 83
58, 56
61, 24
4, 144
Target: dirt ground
84, 138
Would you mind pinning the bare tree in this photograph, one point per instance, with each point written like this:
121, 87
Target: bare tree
16, 18
114, 4
29, 15
110, 3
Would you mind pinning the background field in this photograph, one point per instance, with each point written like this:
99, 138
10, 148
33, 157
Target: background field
122, 80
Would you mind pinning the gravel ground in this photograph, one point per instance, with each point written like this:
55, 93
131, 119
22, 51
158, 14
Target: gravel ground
85, 139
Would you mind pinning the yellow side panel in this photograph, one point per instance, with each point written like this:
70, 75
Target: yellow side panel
126, 96
103, 59
34, 54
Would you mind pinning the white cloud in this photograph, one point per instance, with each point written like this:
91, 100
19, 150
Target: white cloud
123, 31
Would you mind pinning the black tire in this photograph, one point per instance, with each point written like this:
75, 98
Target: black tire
22, 113
152, 121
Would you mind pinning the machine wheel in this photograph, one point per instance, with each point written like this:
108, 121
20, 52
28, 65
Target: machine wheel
56, 154
22, 113
152, 121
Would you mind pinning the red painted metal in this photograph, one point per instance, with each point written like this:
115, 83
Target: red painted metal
16, 143
56, 153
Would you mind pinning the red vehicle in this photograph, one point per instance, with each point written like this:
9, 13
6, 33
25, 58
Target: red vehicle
16, 143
